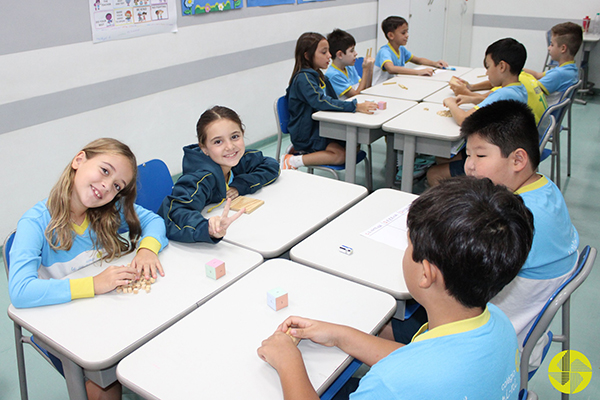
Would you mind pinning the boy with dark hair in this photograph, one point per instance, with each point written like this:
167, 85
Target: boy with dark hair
454, 264
392, 57
341, 73
564, 44
502, 145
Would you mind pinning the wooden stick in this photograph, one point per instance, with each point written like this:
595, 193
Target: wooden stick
482, 76
389, 83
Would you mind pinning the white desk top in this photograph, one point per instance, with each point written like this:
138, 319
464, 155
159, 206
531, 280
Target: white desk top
372, 263
97, 332
440, 95
423, 121
211, 353
443, 75
476, 75
417, 89
296, 205
362, 120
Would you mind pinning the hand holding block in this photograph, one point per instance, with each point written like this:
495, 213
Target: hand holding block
277, 299
249, 203
215, 268
294, 339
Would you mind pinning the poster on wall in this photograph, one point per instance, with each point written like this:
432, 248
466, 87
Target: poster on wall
123, 19
197, 7
264, 3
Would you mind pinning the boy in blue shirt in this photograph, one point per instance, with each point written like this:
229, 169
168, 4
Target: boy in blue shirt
454, 264
564, 44
392, 57
342, 74
502, 145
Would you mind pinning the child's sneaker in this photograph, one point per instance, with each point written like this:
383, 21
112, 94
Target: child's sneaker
284, 163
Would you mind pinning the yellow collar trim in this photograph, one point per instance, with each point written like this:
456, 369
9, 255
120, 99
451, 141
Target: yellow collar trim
321, 83
452, 328
514, 84
533, 185
397, 53
336, 67
80, 229
567, 63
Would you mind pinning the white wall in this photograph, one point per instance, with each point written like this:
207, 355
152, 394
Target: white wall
156, 125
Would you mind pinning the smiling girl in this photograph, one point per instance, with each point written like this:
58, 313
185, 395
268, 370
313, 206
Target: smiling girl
217, 169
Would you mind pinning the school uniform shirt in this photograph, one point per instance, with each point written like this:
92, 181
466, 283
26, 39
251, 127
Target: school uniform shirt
476, 358
512, 91
551, 260
342, 80
387, 54
556, 80
36, 270
306, 95
203, 183
536, 99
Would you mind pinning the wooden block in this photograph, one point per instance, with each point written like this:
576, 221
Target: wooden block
294, 339
454, 80
249, 203
277, 299
381, 105
215, 268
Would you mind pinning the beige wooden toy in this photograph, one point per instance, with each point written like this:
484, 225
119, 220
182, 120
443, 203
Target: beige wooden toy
246, 202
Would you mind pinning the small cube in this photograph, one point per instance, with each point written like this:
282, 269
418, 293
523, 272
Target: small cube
215, 268
382, 105
277, 299
346, 250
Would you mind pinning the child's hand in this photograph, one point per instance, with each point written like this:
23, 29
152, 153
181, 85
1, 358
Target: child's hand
424, 71
368, 63
232, 193
217, 226
368, 107
460, 86
146, 262
112, 277
303, 328
441, 64
450, 101
278, 350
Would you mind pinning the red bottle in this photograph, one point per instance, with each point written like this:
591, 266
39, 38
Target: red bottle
586, 23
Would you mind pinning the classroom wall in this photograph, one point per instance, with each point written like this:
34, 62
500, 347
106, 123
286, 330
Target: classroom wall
528, 21
59, 91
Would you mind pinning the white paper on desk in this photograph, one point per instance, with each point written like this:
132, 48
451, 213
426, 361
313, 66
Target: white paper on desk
392, 230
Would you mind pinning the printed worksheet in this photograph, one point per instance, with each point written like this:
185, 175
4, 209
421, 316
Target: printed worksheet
392, 230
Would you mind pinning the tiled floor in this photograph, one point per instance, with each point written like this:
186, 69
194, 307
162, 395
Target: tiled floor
581, 191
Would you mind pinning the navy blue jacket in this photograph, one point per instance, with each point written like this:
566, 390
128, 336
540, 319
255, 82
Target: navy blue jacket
305, 97
203, 183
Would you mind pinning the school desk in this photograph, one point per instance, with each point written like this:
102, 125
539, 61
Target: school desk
440, 74
412, 88
371, 263
296, 205
91, 336
212, 352
422, 130
360, 128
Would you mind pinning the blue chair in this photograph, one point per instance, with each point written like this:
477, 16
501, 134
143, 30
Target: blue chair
569, 94
549, 63
154, 183
19, 337
560, 298
282, 118
358, 65
557, 111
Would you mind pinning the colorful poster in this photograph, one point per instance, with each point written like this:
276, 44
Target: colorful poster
123, 19
308, 1
195, 7
264, 3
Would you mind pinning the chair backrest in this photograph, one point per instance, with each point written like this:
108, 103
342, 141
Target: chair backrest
554, 303
282, 118
570, 92
549, 63
358, 65
6, 250
557, 110
154, 183
546, 133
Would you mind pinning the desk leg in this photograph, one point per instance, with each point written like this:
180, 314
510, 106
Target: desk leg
351, 144
408, 163
390, 161
74, 378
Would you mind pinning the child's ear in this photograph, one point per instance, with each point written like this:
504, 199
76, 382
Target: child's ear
519, 159
429, 276
564, 48
79, 158
390, 36
503, 65
339, 54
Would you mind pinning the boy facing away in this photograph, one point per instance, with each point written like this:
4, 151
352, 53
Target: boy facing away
342, 74
392, 57
454, 264
502, 145
564, 44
